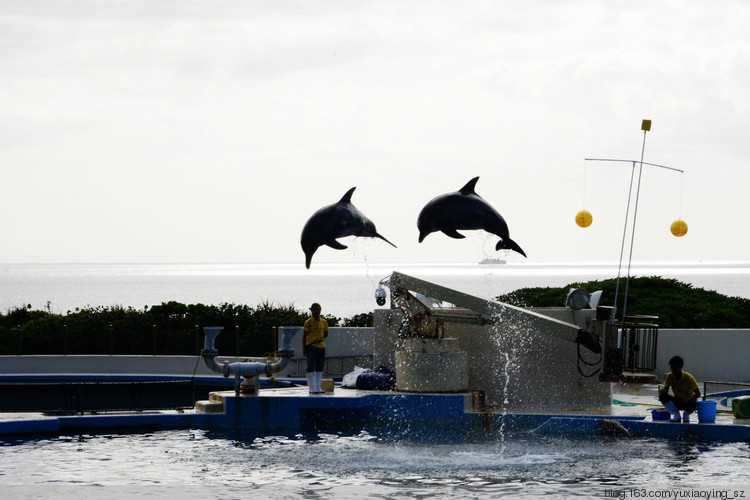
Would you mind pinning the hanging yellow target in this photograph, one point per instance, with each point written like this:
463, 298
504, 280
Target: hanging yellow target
679, 228
584, 218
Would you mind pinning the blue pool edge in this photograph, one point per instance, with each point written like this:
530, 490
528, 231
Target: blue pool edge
295, 411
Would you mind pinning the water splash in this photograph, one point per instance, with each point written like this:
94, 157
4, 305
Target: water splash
358, 465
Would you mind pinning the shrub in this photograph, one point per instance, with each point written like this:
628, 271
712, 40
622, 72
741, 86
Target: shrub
677, 304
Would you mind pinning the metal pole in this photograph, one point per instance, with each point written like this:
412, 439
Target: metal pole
622, 246
237, 340
196, 338
275, 340
635, 216
646, 127
111, 331
153, 327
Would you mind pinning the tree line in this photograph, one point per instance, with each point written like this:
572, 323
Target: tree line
677, 304
170, 328
173, 328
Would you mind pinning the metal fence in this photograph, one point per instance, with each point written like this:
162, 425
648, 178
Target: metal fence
22, 341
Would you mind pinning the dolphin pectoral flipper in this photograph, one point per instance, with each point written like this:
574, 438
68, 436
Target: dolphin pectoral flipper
452, 233
508, 244
336, 245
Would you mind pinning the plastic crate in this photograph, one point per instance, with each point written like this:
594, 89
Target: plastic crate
741, 407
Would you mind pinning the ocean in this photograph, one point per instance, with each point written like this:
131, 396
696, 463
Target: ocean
343, 289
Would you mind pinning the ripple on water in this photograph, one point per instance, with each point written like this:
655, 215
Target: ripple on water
363, 465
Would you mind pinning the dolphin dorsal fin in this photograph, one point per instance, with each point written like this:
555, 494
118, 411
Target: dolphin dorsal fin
469, 187
347, 198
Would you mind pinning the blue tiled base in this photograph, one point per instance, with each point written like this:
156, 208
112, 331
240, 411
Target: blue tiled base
442, 416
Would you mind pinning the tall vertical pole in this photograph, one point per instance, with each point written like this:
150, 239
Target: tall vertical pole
622, 245
645, 126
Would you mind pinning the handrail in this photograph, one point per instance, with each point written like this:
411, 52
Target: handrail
706, 382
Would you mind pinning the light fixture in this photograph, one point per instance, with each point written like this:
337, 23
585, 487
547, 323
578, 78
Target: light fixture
380, 293
595, 298
380, 296
577, 298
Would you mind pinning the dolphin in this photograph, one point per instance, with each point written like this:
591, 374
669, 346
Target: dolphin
613, 428
336, 221
464, 209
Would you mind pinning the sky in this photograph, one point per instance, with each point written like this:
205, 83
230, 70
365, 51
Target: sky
210, 131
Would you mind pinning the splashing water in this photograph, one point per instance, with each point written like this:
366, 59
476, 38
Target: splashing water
358, 465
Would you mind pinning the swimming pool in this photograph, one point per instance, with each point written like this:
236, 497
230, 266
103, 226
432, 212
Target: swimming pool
195, 463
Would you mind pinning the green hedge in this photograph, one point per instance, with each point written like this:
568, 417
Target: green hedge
170, 328
677, 304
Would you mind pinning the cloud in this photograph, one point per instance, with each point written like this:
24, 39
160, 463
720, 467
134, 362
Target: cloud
138, 126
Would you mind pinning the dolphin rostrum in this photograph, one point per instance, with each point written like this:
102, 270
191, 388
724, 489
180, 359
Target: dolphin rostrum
336, 221
464, 209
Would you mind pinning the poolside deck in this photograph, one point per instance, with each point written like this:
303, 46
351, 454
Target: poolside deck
292, 409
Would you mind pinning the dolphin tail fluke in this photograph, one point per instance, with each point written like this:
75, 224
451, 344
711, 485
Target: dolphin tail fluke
384, 239
509, 244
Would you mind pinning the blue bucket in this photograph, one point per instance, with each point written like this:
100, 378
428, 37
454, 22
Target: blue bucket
707, 411
659, 415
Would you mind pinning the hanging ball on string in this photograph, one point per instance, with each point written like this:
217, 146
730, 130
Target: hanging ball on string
679, 228
584, 218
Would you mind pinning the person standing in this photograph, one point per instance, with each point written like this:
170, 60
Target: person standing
685, 389
314, 333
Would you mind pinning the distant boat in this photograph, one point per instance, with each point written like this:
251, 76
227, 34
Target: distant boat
485, 262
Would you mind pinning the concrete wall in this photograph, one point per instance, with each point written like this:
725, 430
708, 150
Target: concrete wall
345, 349
536, 369
715, 355
115, 365
514, 367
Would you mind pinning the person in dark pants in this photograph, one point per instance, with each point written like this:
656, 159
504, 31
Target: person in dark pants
685, 389
314, 333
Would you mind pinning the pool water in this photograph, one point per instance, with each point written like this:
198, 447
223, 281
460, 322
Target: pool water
197, 463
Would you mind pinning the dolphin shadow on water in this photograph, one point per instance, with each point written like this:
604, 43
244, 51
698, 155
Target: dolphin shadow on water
464, 209
336, 221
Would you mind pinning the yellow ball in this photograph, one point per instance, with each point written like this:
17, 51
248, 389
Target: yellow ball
584, 218
679, 228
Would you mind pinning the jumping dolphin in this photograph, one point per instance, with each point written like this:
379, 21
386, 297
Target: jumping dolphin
464, 209
336, 221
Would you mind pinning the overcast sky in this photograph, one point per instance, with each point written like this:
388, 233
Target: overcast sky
210, 131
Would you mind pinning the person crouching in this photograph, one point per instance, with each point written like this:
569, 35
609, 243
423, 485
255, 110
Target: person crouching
685, 389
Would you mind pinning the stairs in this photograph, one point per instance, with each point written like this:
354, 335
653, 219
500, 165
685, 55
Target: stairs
214, 404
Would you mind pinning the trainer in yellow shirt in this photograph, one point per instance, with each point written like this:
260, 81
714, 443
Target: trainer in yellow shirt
685, 389
314, 333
